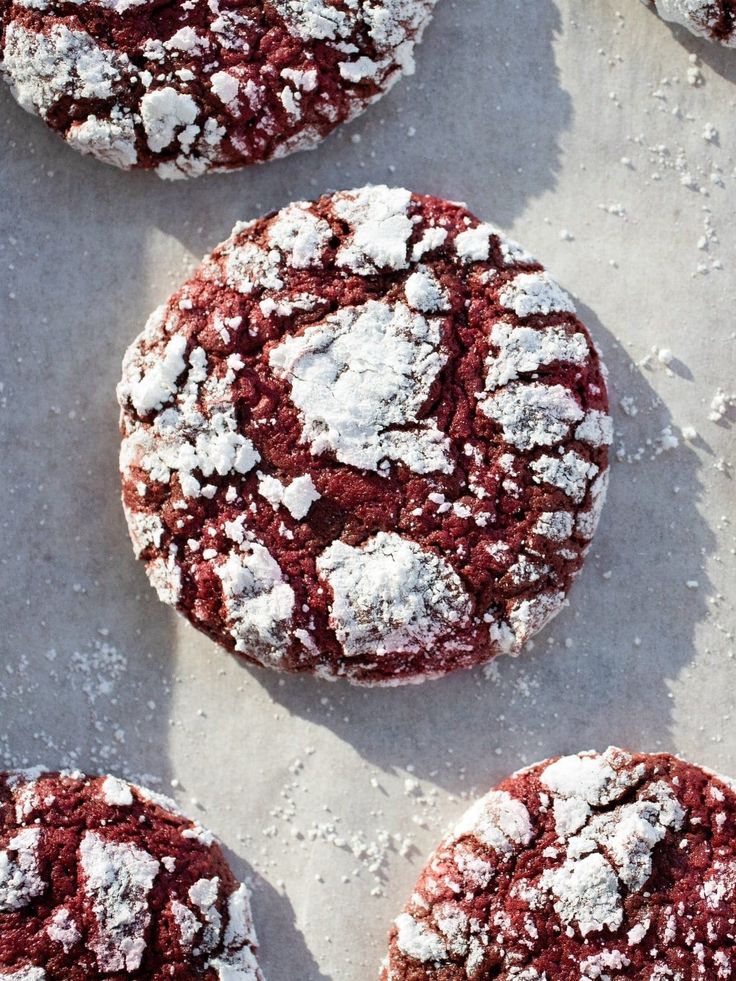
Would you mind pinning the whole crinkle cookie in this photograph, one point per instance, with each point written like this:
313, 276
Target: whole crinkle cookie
713, 19
103, 879
367, 438
206, 84
608, 867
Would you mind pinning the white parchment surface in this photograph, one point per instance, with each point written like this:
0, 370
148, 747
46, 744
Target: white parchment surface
604, 141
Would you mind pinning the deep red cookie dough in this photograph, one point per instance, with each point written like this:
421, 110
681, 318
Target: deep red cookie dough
103, 879
607, 867
207, 84
712, 19
367, 438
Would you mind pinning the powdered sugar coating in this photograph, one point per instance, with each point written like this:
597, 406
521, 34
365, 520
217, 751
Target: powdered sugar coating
96, 881
713, 19
601, 866
360, 375
390, 595
186, 88
352, 448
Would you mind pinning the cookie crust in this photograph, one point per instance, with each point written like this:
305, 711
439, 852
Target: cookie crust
604, 866
103, 879
184, 88
367, 438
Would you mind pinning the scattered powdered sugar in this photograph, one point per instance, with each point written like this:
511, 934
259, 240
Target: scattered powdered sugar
118, 879
358, 376
390, 595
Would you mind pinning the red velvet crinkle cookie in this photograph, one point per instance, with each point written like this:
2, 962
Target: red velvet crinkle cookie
206, 84
606, 867
103, 879
367, 439
713, 19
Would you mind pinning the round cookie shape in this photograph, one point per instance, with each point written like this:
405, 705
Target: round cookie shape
367, 438
103, 879
712, 19
205, 85
603, 866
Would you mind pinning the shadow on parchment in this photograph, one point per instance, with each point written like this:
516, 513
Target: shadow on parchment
280, 944
85, 652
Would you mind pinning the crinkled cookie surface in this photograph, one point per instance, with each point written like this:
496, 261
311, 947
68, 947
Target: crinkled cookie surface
103, 879
204, 84
367, 438
596, 866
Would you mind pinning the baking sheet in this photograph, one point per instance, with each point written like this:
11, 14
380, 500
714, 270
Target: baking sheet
604, 141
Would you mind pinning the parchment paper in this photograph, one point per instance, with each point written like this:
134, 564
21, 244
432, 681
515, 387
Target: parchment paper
575, 126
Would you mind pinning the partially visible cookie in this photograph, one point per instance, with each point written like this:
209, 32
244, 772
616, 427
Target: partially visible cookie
368, 438
103, 879
596, 866
712, 19
207, 84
